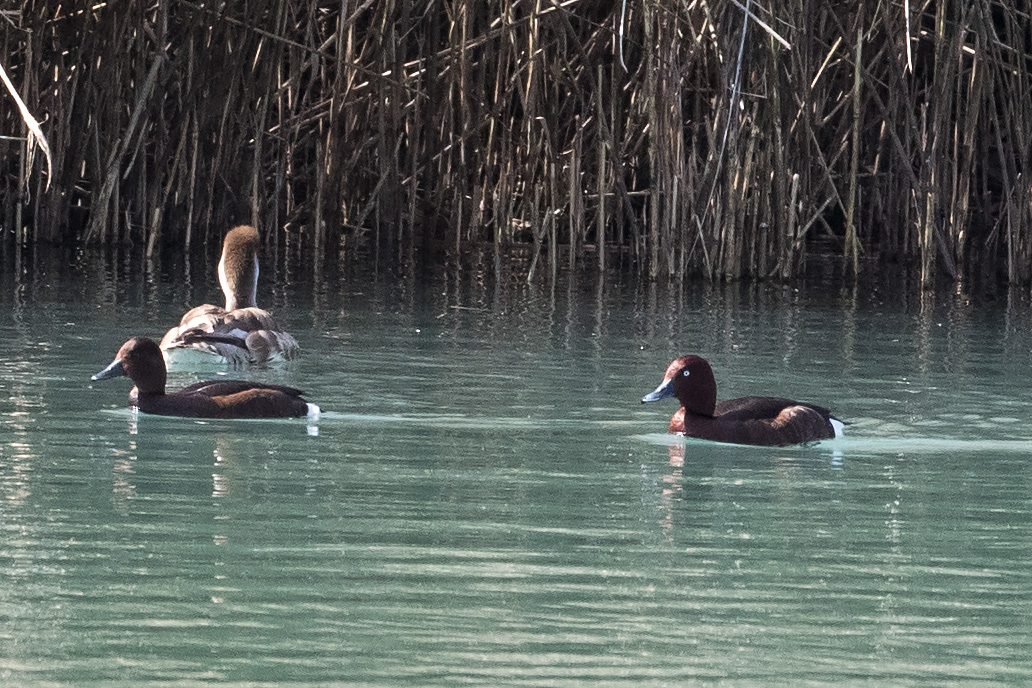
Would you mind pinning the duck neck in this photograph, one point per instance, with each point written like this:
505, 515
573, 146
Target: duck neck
699, 410
699, 397
239, 280
152, 386
136, 396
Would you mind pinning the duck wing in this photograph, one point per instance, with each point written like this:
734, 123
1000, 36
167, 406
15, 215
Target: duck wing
197, 319
271, 345
772, 421
220, 388
761, 408
228, 399
204, 316
209, 320
247, 320
241, 336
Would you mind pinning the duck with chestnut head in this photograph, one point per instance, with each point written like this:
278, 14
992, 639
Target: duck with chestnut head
140, 360
769, 421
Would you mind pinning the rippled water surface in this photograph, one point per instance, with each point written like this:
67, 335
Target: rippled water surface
485, 502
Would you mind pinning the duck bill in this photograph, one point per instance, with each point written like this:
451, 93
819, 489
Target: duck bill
664, 391
114, 370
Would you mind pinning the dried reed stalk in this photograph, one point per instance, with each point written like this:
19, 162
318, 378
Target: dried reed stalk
722, 138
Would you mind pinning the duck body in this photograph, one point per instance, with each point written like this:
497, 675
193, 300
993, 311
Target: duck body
767, 421
240, 333
141, 360
240, 337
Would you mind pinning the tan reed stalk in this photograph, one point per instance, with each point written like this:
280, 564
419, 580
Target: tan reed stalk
852, 249
719, 138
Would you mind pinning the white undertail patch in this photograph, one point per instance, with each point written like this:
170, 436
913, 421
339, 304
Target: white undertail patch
838, 426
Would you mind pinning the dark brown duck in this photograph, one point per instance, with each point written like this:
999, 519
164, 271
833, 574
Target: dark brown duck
769, 421
140, 360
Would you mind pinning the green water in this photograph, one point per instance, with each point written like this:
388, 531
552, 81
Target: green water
485, 502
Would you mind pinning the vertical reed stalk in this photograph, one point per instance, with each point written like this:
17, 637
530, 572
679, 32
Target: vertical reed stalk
712, 138
852, 253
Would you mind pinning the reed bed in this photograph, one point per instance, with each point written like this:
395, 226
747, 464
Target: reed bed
721, 138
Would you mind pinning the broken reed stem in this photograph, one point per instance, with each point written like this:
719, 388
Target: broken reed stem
33, 134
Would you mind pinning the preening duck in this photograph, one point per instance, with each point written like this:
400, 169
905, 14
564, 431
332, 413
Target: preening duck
241, 333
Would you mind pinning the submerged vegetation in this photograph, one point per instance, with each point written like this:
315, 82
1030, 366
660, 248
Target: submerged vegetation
720, 138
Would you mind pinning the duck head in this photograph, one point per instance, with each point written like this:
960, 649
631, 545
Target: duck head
140, 360
238, 268
689, 379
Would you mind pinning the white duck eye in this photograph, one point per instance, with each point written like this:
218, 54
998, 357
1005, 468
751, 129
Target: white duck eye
686, 373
